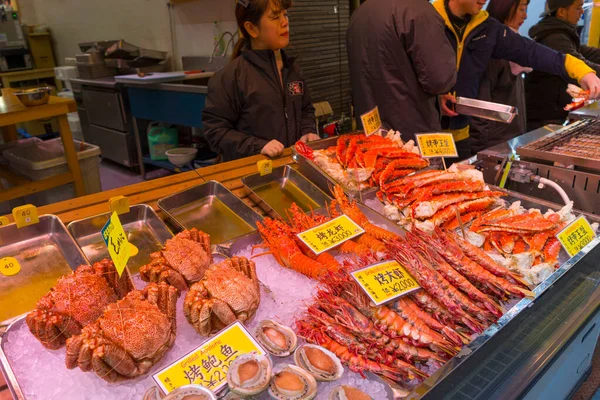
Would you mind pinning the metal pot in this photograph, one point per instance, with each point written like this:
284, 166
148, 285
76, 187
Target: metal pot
34, 97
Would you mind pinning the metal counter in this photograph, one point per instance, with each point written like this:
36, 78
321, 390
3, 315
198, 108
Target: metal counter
591, 111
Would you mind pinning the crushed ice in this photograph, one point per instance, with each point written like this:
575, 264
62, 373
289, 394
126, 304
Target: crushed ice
41, 373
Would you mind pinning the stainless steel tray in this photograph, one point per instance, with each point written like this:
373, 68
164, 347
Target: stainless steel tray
143, 227
485, 109
319, 177
213, 209
45, 252
541, 149
275, 192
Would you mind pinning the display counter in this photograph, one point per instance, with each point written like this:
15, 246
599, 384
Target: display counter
230, 174
541, 347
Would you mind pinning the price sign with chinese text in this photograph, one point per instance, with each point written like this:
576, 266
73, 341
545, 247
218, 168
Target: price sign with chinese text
330, 234
25, 215
576, 236
385, 281
436, 145
4, 221
9, 266
208, 364
116, 241
371, 121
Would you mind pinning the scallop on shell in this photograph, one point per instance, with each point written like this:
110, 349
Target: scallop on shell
249, 374
277, 339
345, 392
319, 362
290, 382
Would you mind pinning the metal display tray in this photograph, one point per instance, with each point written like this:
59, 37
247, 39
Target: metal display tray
143, 227
45, 252
566, 264
485, 109
541, 149
211, 208
317, 175
275, 192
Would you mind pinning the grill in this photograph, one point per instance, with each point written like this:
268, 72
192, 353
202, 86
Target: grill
577, 145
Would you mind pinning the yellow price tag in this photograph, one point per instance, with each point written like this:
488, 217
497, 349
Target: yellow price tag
436, 145
116, 240
208, 364
330, 234
576, 236
25, 215
9, 266
265, 167
4, 221
385, 281
119, 204
371, 121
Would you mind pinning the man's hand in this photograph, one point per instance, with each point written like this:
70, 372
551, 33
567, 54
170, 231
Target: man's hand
309, 137
272, 149
591, 83
444, 100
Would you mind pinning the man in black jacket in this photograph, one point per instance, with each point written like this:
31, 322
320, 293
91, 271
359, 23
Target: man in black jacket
400, 60
546, 94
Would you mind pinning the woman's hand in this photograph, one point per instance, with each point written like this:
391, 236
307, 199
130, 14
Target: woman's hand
447, 111
272, 149
309, 137
591, 83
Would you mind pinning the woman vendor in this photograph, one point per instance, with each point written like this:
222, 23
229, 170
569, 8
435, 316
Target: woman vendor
259, 103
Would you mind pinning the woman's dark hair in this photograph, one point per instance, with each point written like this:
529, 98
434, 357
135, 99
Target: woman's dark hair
253, 12
503, 10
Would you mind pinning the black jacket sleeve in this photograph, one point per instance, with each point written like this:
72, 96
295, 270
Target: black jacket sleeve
591, 54
223, 106
308, 119
513, 47
432, 55
565, 45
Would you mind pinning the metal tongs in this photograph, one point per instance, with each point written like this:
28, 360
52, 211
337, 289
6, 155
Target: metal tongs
581, 98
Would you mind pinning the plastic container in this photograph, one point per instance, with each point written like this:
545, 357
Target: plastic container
160, 140
181, 156
65, 74
42, 160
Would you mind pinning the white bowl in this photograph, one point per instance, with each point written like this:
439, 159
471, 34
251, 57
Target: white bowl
181, 156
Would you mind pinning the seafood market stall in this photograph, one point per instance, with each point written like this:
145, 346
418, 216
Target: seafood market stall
279, 257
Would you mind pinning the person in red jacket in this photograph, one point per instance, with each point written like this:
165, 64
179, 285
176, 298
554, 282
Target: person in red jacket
259, 103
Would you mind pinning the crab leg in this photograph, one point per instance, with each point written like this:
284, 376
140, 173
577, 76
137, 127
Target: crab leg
428, 208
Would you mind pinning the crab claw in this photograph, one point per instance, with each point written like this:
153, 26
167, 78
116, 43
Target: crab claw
305, 151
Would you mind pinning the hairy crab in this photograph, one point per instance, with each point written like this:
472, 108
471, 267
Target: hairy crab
76, 300
182, 262
229, 291
132, 335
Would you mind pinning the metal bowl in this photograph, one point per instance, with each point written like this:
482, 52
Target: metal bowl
34, 97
